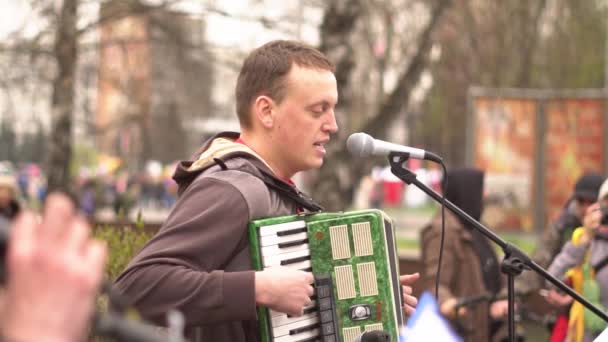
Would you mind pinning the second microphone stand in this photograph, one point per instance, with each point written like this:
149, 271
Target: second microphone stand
515, 260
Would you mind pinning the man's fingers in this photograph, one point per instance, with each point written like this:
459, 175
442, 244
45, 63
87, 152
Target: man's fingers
410, 300
409, 279
310, 291
310, 278
407, 290
409, 310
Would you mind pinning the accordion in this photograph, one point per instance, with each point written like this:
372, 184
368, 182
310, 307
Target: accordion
353, 259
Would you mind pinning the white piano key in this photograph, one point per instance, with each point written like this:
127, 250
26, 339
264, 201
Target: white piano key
283, 319
284, 329
281, 227
275, 250
298, 337
275, 240
273, 314
277, 259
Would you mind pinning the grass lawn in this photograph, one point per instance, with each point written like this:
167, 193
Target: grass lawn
525, 242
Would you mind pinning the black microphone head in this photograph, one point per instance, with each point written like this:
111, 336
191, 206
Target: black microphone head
374, 336
360, 144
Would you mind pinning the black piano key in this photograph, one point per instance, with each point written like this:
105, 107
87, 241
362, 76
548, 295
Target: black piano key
306, 311
303, 329
309, 310
292, 243
291, 232
295, 260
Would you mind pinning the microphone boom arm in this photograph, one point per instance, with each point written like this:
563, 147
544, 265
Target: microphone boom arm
515, 260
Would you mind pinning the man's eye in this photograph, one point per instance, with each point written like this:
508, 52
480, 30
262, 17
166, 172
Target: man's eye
320, 109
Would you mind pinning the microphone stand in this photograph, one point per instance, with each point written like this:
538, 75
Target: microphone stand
515, 260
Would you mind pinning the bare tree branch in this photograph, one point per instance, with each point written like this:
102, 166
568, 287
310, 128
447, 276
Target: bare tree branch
399, 98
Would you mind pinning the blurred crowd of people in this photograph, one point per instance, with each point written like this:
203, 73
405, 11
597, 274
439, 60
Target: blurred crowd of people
151, 188
117, 191
574, 249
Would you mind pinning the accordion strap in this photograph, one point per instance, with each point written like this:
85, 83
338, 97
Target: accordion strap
284, 189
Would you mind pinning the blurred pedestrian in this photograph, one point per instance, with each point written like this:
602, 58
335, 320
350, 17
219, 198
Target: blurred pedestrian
470, 267
583, 262
9, 197
584, 194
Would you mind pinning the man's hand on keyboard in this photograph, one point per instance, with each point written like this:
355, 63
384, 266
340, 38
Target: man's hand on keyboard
409, 301
284, 289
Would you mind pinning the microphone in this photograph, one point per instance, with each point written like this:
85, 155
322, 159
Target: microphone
363, 145
374, 336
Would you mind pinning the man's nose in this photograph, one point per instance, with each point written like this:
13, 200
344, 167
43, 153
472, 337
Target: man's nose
331, 125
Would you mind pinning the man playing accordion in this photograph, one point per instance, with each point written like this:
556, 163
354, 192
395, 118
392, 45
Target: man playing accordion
199, 262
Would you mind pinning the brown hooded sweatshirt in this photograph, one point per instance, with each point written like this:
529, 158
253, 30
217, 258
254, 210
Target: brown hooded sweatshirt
199, 262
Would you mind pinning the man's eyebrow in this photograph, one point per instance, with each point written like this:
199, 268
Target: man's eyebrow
317, 103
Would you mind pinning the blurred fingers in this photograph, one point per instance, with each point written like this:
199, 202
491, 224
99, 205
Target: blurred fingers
79, 233
58, 213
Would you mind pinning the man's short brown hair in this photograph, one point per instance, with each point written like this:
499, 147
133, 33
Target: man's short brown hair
264, 71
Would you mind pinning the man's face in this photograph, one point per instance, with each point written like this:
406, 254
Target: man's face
304, 120
581, 206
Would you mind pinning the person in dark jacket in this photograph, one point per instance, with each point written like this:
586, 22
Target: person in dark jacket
199, 263
584, 194
469, 266
553, 238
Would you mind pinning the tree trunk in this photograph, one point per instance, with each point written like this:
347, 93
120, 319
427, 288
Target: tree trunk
66, 55
530, 45
336, 181
330, 183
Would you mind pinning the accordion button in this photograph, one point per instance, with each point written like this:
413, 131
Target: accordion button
324, 304
329, 338
328, 328
323, 291
326, 316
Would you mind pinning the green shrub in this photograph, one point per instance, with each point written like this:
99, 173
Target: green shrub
122, 242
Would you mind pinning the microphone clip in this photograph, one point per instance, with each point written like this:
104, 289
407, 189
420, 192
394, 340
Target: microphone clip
396, 160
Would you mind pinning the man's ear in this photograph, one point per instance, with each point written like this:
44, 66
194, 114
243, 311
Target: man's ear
263, 110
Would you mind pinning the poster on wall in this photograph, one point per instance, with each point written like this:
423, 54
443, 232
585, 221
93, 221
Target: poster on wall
504, 148
573, 146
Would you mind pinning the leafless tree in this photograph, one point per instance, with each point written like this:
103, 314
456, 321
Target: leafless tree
347, 32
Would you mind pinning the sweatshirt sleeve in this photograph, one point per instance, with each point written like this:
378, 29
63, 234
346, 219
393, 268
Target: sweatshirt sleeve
182, 267
570, 256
